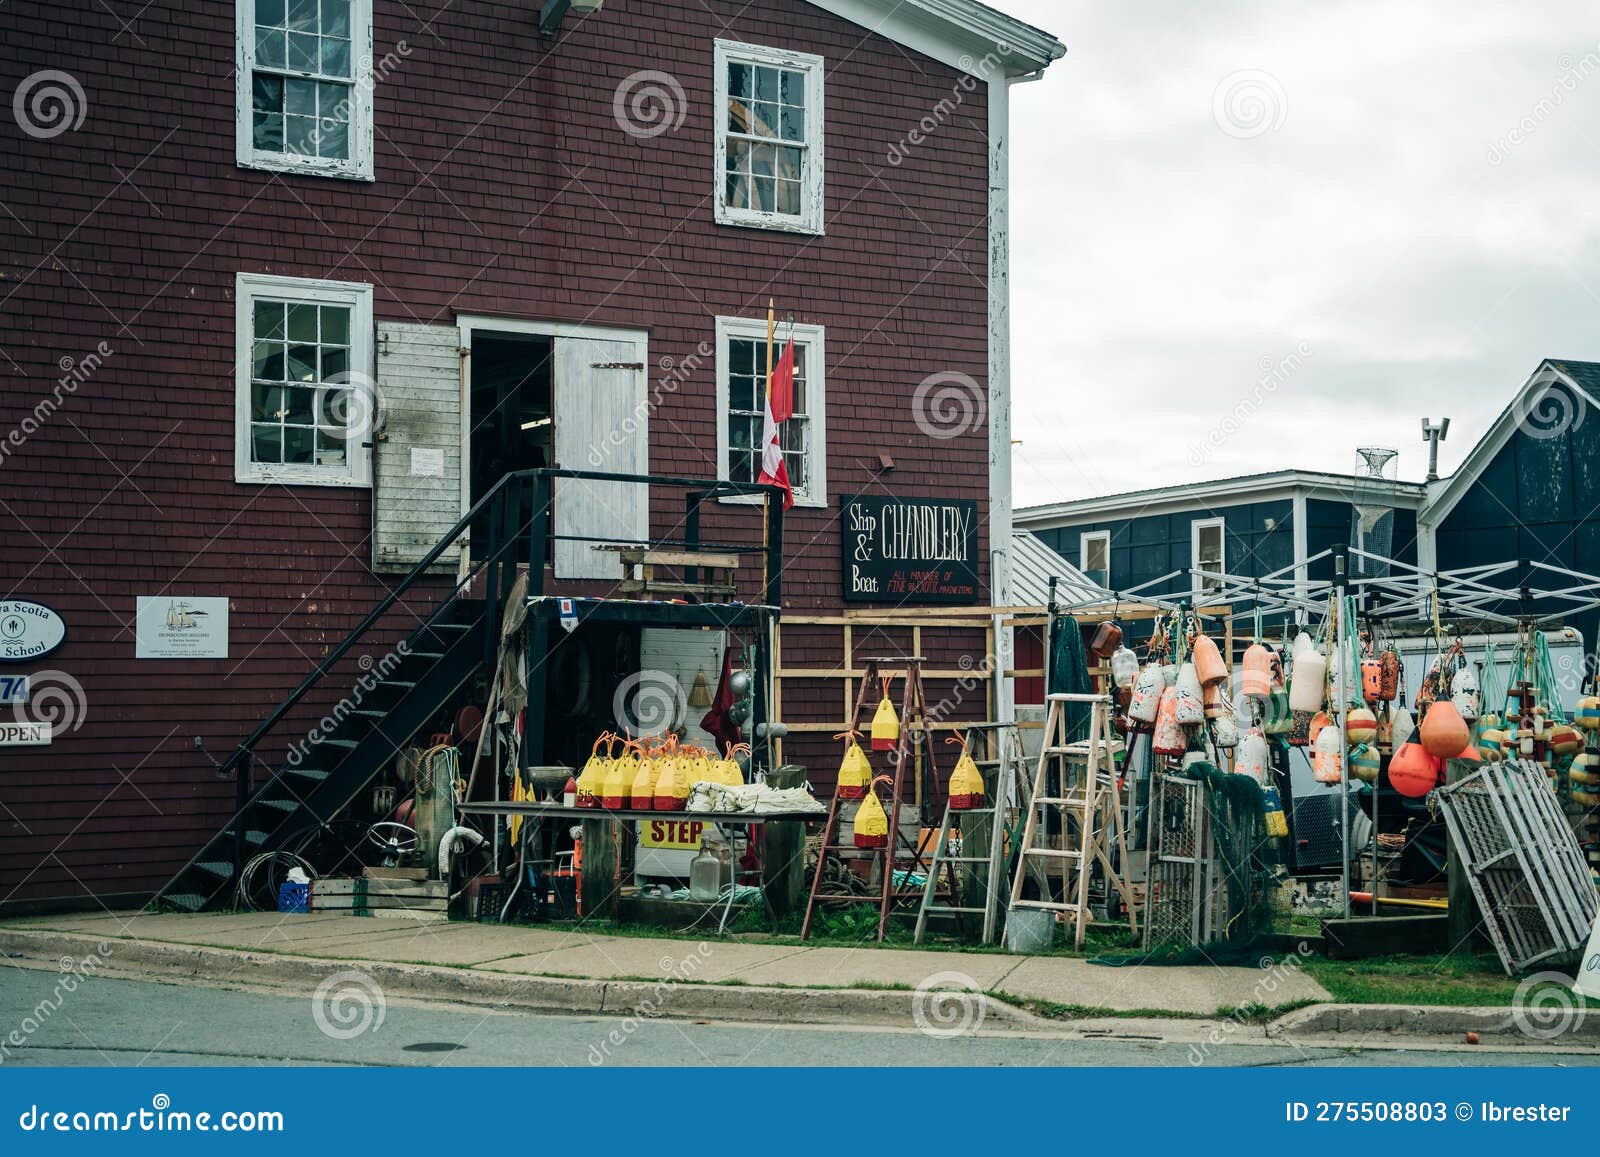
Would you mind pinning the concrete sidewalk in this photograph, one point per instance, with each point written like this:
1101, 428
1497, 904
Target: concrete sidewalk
499, 952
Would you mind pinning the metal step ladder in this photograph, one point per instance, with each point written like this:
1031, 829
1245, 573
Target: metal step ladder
1004, 741
1090, 819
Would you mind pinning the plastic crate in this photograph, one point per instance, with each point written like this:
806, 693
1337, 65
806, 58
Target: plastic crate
294, 897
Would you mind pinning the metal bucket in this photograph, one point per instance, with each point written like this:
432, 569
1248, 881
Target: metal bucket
1030, 931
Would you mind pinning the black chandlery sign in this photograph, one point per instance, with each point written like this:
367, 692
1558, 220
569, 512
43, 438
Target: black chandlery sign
910, 550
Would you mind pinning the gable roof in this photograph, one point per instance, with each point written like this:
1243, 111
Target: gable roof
1582, 378
1207, 495
961, 33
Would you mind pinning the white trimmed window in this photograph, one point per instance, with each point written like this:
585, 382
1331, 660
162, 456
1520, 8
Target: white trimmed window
304, 86
1094, 551
769, 138
1206, 542
742, 400
304, 389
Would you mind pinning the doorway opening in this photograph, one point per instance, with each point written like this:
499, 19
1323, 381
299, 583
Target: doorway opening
512, 409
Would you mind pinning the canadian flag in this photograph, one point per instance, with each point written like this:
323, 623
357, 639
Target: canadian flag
780, 408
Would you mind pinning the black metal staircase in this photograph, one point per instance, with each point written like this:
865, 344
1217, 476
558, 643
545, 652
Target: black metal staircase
322, 773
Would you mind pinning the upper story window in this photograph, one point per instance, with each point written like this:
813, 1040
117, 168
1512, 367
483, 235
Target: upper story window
304, 89
742, 399
305, 393
1206, 543
1094, 549
769, 138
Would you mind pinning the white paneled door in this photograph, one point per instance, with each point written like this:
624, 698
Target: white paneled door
601, 425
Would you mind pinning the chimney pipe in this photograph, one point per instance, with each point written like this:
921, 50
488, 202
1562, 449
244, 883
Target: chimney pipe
1433, 435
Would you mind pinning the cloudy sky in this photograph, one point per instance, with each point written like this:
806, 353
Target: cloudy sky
1256, 235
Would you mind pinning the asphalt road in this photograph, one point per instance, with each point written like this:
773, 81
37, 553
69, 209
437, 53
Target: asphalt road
135, 1023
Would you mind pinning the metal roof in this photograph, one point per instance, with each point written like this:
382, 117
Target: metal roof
1032, 566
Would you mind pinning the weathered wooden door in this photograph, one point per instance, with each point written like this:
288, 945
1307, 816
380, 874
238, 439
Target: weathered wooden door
601, 425
416, 468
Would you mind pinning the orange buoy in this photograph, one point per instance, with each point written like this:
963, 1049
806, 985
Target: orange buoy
1443, 731
1413, 772
1208, 664
1255, 676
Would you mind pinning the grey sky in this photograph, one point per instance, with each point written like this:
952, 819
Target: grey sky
1394, 201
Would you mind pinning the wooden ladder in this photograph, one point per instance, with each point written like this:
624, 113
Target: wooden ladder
1090, 814
913, 721
1008, 756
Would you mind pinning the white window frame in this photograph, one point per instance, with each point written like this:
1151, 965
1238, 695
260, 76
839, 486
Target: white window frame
813, 337
1086, 537
1199, 586
810, 218
357, 467
359, 166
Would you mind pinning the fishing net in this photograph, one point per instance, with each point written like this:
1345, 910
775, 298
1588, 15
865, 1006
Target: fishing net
1212, 872
1372, 511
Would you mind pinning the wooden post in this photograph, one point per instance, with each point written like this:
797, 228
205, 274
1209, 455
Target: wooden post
1465, 929
600, 882
783, 851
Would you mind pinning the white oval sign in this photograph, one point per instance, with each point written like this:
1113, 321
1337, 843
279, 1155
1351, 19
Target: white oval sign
28, 631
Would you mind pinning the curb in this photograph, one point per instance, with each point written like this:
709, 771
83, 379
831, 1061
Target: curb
143, 959
1505, 1025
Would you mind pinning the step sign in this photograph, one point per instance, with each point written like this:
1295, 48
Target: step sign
28, 631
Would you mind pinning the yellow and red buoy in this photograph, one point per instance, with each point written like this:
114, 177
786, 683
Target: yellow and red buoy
871, 826
885, 723
966, 781
855, 772
593, 773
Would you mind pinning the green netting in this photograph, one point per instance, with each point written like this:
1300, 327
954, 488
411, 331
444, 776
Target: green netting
1247, 859
1069, 674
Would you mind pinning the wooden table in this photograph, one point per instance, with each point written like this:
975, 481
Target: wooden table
600, 847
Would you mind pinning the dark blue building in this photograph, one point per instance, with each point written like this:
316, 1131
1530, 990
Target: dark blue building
1528, 492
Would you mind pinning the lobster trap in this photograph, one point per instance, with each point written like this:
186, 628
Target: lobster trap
1524, 863
1209, 884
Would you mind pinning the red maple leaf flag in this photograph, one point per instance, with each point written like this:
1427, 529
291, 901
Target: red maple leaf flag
779, 408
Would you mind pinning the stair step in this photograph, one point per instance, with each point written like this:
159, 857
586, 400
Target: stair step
1044, 905
430, 655
399, 684
188, 901
1053, 853
315, 774
221, 868
341, 744
369, 713
963, 860
947, 908
281, 805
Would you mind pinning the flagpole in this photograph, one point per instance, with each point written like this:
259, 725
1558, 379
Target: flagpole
766, 539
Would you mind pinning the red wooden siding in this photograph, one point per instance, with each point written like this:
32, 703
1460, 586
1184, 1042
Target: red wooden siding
504, 186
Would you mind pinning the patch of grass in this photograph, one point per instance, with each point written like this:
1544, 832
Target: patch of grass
1458, 980
1258, 1013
